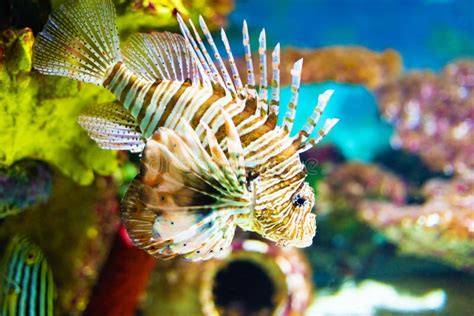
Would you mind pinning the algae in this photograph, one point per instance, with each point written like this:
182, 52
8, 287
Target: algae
38, 115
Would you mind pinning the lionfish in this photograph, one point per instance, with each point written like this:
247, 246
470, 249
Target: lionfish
27, 286
214, 156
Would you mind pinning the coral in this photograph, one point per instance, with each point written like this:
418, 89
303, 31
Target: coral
24, 184
343, 64
442, 227
39, 115
348, 184
434, 116
74, 229
256, 278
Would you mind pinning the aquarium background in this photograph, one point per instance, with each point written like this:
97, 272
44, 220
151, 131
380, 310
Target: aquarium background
394, 180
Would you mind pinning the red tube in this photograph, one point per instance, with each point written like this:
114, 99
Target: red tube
123, 278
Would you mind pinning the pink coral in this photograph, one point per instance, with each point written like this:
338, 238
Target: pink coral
442, 227
434, 116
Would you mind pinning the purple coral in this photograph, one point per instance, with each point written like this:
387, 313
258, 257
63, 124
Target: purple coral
22, 185
434, 116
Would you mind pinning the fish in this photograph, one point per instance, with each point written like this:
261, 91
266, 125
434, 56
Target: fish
27, 285
175, 95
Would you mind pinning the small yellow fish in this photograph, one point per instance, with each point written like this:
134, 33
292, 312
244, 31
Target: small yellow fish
214, 156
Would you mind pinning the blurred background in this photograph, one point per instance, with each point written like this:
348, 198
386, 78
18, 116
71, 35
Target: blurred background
394, 180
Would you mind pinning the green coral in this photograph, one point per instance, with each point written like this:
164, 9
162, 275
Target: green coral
38, 115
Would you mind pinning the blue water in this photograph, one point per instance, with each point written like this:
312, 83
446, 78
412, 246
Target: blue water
427, 33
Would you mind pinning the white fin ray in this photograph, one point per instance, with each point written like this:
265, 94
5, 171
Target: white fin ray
186, 201
313, 120
215, 73
248, 56
233, 67
295, 86
328, 125
263, 87
275, 99
217, 55
161, 55
111, 126
196, 52
79, 41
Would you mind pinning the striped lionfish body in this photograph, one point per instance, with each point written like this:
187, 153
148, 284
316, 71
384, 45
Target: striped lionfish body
27, 286
213, 154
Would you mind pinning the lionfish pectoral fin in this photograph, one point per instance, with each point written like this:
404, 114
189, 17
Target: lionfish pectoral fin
186, 200
160, 55
111, 126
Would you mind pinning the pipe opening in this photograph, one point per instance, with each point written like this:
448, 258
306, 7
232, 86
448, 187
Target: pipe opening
244, 288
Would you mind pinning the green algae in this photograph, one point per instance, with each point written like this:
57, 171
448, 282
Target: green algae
38, 115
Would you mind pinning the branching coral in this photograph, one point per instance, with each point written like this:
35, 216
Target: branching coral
38, 115
340, 63
434, 116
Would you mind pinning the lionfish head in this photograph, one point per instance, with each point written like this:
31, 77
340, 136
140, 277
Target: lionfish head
283, 207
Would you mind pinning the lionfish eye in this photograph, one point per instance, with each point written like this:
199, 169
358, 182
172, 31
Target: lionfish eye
299, 200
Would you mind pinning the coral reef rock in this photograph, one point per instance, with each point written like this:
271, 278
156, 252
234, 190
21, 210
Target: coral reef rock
348, 184
434, 116
345, 64
442, 227
24, 184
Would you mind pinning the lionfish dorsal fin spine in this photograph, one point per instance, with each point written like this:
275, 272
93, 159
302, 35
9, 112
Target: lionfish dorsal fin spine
263, 87
233, 67
214, 72
196, 52
310, 142
313, 120
275, 99
217, 55
248, 56
295, 87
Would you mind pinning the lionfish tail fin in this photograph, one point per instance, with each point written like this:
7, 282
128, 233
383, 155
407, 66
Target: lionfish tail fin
187, 198
79, 41
111, 126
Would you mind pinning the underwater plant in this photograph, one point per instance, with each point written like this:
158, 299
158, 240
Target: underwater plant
39, 113
146, 15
